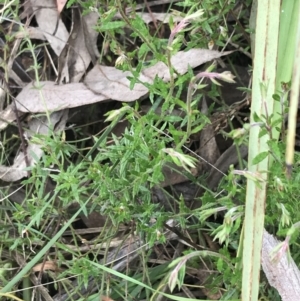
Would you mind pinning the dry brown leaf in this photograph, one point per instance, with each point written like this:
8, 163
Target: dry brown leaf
104, 83
16, 171
36, 125
74, 58
27, 10
105, 298
47, 265
56, 97
91, 35
7, 116
181, 61
47, 19
31, 33
113, 83
60, 5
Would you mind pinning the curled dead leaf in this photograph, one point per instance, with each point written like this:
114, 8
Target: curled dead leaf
105, 298
48, 265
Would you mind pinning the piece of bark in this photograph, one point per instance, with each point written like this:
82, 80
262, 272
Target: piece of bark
282, 274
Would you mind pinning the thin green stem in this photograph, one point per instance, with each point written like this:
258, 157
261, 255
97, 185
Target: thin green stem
141, 36
189, 114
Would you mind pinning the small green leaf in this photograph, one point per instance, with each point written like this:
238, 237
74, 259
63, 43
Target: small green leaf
143, 50
260, 157
172, 118
111, 25
263, 132
256, 118
198, 128
181, 275
276, 97
276, 122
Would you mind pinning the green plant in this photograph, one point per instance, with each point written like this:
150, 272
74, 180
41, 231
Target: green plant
115, 175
